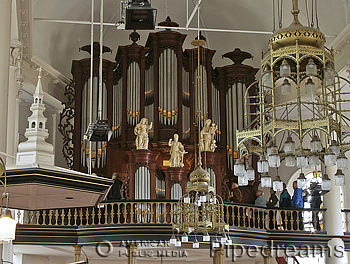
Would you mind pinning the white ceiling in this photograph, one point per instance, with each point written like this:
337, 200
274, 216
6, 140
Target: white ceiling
57, 44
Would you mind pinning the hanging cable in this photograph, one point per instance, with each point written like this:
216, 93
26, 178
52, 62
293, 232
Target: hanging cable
316, 15
281, 13
166, 8
278, 13
312, 13
307, 13
273, 16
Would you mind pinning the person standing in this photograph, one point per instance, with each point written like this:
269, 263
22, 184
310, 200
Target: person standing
315, 203
260, 214
236, 197
297, 202
236, 194
114, 192
272, 203
285, 202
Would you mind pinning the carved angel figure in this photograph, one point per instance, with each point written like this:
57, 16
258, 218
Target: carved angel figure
206, 138
177, 152
141, 132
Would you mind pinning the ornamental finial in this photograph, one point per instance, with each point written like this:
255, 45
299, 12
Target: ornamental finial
295, 12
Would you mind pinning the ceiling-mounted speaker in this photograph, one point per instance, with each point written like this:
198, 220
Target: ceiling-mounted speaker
140, 15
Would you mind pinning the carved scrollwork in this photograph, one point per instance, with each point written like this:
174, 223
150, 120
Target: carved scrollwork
164, 46
141, 164
224, 188
149, 59
66, 125
117, 75
125, 189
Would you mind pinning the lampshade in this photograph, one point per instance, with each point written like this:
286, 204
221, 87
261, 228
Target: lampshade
239, 169
329, 74
274, 159
314, 161
339, 178
285, 69
330, 158
216, 243
302, 160
184, 238
250, 173
172, 240
342, 161
223, 239
195, 243
228, 241
7, 226
178, 243
310, 87
242, 181
301, 181
206, 237
277, 184
315, 144
289, 145
263, 165
269, 150
286, 88
326, 183
334, 146
311, 68
266, 79
265, 180
289, 161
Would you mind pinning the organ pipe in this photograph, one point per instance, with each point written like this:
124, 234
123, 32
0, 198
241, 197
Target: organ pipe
168, 95
142, 183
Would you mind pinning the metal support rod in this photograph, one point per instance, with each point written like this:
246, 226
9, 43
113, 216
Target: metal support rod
199, 103
100, 85
91, 77
82, 22
193, 13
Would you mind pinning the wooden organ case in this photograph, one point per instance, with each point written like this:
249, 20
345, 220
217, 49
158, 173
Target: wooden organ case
156, 81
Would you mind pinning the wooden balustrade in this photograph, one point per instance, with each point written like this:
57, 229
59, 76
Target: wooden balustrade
166, 212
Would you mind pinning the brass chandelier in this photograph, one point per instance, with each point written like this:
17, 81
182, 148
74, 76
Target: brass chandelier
200, 210
296, 111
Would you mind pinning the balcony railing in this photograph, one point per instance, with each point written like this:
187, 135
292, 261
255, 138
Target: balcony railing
165, 212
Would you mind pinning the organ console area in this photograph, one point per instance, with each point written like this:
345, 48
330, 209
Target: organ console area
156, 81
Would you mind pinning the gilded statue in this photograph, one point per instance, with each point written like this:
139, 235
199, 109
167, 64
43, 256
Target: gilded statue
141, 132
206, 137
177, 152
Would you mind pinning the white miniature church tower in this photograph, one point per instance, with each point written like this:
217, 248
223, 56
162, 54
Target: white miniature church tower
36, 150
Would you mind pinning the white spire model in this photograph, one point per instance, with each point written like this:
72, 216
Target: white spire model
36, 150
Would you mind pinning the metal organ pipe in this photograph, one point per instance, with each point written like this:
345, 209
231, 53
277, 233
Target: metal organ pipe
168, 101
117, 109
216, 109
240, 110
185, 109
133, 100
244, 92
234, 118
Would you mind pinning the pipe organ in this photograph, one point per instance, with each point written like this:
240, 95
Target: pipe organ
156, 81
234, 79
86, 109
